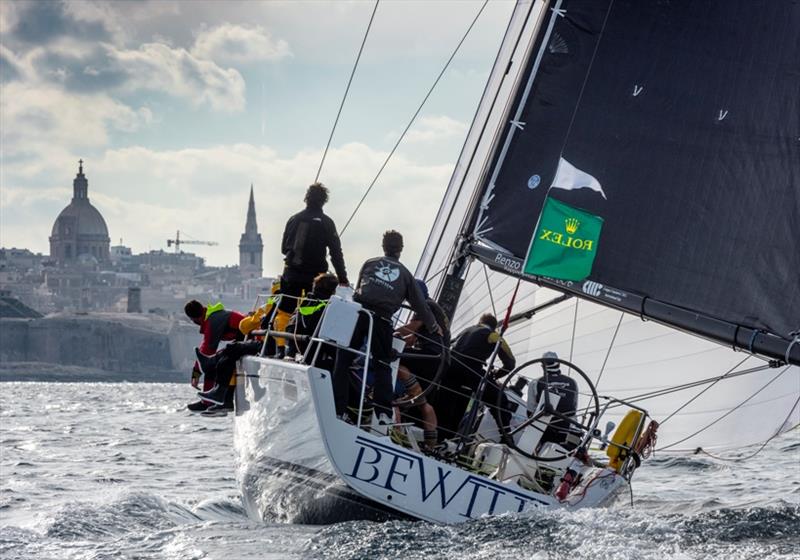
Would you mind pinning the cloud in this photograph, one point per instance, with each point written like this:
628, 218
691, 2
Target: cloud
235, 44
158, 67
43, 124
145, 195
10, 67
151, 67
40, 22
434, 129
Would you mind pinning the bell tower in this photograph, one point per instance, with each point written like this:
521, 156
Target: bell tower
251, 248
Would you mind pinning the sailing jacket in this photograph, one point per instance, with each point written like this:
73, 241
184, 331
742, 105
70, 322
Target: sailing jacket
256, 319
567, 389
218, 325
306, 237
306, 317
474, 346
384, 283
563, 386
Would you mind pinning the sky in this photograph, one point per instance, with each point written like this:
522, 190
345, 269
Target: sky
177, 107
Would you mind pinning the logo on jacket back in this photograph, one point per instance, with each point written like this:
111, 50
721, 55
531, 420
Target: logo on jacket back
387, 272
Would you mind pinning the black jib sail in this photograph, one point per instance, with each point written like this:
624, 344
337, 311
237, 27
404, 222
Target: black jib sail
671, 130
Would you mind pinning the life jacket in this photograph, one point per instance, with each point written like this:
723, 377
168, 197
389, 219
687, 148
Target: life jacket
217, 318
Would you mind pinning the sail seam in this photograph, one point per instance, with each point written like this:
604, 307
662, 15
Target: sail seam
731, 411
694, 398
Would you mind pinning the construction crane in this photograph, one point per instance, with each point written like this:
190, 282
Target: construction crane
178, 242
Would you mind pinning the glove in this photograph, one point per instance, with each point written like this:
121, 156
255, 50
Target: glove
196, 377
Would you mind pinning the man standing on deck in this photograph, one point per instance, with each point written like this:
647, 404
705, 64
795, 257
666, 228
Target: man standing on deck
216, 324
383, 284
307, 237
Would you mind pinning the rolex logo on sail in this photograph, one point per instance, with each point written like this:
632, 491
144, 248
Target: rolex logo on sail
565, 242
571, 225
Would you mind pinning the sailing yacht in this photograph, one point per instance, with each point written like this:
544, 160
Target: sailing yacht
628, 196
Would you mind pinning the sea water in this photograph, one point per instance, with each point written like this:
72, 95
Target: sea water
122, 470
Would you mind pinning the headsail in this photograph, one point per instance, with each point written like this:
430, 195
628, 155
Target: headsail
686, 116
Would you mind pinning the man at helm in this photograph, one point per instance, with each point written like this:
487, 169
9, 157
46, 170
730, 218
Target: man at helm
558, 385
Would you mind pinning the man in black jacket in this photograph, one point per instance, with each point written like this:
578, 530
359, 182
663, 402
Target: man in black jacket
307, 238
308, 315
383, 284
467, 361
555, 382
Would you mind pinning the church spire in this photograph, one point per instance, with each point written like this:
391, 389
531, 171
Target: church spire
251, 248
251, 227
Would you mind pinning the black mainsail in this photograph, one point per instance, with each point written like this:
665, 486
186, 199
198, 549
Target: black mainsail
682, 118
687, 115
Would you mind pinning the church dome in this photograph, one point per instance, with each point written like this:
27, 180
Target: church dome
80, 228
87, 218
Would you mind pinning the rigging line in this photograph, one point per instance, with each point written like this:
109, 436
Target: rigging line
763, 445
683, 387
413, 118
731, 411
453, 259
347, 89
574, 327
489, 287
694, 398
610, 346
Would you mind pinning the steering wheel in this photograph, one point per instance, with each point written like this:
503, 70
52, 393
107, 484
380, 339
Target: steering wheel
587, 430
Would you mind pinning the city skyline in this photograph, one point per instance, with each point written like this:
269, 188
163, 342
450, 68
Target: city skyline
176, 111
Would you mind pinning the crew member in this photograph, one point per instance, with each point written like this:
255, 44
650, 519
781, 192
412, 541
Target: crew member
221, 366
307, 238
556, 383
263, 318
383, 284
306, 317
216, 324
467, 361
417, 364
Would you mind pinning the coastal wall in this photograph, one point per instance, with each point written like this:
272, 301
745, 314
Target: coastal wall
139, 345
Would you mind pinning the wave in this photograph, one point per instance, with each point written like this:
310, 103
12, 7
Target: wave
577, 535
688, 462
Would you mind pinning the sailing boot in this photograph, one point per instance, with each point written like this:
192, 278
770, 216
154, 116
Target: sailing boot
198, 406
207, 363
214, 411
215, 395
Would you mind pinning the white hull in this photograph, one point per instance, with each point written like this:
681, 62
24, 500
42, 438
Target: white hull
297, 462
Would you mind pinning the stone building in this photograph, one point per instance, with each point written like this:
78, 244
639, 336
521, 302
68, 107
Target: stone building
251, 248
80, 233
